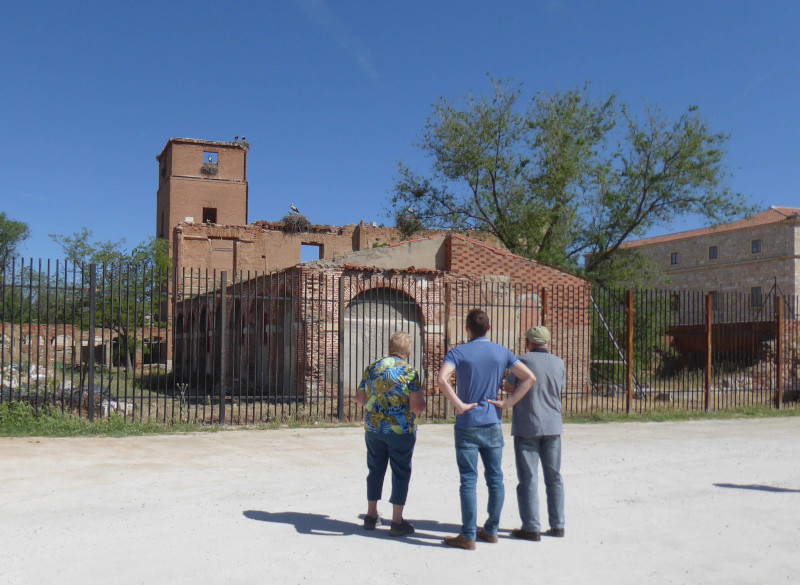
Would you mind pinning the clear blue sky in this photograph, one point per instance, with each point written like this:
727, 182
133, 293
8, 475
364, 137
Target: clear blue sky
331, 94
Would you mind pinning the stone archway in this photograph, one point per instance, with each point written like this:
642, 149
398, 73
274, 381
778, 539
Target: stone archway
369, 320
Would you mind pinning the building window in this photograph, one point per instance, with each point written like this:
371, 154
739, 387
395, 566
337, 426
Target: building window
713, 252
673, 259
310, 252
210, 164
755, 246
714, 299
755, 296
209, 215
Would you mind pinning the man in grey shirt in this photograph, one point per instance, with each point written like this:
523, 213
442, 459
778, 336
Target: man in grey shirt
536, 427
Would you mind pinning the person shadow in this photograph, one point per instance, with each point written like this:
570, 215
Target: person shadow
428, 532
758, 487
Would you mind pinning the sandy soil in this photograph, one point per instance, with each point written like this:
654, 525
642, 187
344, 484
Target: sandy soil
694, 502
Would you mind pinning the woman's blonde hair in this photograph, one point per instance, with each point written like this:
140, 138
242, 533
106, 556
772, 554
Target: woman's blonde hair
400, 344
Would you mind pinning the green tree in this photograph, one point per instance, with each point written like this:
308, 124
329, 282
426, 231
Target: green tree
12, 234
566, 177
130, 283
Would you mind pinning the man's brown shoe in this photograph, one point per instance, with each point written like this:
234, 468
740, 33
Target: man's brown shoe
526, 534
485, 536
460, 541
557, 532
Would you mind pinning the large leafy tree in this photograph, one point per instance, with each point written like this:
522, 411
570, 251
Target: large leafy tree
565, 179
12, 234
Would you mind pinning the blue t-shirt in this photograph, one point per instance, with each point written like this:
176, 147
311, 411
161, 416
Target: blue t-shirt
480, 365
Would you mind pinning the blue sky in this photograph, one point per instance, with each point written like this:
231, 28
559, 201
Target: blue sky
332, 94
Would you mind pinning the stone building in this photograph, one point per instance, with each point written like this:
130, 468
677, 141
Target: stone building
751, 257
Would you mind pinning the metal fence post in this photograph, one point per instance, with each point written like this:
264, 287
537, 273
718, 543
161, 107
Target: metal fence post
709, 348
223, 343
340, 362
779, 353
90, 357
448, 306
544, 306
629, 365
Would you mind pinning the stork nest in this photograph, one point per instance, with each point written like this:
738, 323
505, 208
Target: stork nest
296, 223
209, 168
408, 224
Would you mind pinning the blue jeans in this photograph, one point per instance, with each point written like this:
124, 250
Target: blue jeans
488, 443
528, 451
383, 449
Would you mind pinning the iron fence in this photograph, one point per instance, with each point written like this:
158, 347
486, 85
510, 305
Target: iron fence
693, 351
213, 348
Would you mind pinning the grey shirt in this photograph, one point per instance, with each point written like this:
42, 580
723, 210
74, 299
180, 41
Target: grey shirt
539, 411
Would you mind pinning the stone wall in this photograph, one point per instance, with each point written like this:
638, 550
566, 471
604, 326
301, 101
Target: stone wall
736, 268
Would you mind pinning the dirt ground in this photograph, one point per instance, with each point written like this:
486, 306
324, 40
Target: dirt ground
689, 502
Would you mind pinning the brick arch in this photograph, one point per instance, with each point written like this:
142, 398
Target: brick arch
370, 318
356, 284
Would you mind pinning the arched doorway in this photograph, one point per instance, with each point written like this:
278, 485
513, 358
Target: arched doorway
369, 321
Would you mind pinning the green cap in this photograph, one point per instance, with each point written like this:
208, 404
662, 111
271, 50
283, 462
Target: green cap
538, 335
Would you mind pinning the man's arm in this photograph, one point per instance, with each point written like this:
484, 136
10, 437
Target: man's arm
443, 381
361, 397
525, 381
416, 402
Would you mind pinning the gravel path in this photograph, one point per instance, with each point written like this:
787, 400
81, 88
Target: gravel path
689, 502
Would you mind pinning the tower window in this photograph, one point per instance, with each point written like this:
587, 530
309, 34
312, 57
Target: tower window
755, 246
713, 253
209, 215
210, 166
673, 258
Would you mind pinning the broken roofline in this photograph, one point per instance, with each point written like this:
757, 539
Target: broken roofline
198, 141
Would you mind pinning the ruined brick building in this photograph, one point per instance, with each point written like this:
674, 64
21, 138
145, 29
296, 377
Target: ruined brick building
202, 209
282, 329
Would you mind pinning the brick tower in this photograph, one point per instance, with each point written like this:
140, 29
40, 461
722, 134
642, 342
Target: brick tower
201, 181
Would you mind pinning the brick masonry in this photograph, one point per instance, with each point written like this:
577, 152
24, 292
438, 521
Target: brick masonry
292, 318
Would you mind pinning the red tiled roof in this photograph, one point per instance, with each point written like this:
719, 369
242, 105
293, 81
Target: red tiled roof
504, 252
772, 215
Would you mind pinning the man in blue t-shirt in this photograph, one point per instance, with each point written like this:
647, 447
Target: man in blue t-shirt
480, 365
